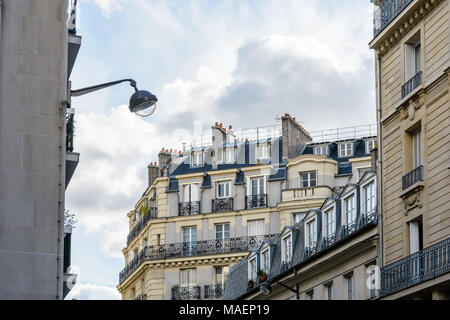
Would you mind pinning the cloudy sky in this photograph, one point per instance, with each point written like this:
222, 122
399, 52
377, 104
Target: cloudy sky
239, 62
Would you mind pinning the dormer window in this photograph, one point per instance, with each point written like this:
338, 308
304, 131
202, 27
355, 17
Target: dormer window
265, 260
345, 149
262, 151
196, 159
311, 233
229, 155
330, 219
320, 150
252, 268
370, 145
286, 248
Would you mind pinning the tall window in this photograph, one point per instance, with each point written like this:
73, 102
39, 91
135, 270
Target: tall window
257, 186
187, 277
252, 269
308, 179
329, 291
196, 159
286, 248
350, 209
345, 149
265, 260
297, 217
370, 145
229, 155
222, 231
369, 198
189, 234
311, 234
319, 150
255, 227
223, 189
330, 218
349, 278
417, 148
262, 151
412, 58
219, 276
191, 192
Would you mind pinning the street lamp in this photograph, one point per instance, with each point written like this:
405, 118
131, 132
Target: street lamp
142, 102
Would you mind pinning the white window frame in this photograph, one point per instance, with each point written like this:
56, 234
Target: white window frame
227, 189
413, 57
370, 144
353, 212
373, 198
321, 150
252, 272
350, 286
223, 232
309, 179
286, 253
417, 147
344, 150
265, 147
191, 277
229, 155
191, 195
265, 260
190, 228
249, 185
197, 159
308, 237
330, 228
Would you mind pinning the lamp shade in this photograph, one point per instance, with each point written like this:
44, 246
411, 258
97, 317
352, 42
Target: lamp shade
141, 100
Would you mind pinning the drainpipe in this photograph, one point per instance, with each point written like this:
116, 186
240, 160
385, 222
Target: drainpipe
379, 166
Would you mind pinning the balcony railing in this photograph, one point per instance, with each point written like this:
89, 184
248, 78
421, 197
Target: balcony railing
189, 208
152, 213
222, 205
423, 265
213, 291
198, 248
186, 293
141, 297
412, 83
387, 12
69, 131
256, 201
412, 177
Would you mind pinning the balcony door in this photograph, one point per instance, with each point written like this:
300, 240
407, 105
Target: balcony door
417, 148
191, 192
255, 232
189, 240
257, 186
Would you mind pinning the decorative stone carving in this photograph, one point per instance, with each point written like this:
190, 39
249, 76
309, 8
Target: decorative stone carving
412, 200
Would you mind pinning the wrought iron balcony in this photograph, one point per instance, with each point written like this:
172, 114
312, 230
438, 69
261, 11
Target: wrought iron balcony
412, 177
152, 213
387, 12
423, 265
198, 248
189, 208
411, 84
70, 129
213, 291
186, 293
256, 201
222, 205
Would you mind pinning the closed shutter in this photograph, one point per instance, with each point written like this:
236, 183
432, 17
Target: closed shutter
255, 228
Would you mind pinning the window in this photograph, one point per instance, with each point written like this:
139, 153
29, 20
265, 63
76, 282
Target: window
189, 234
222, 231
412, 58
319, 150
158, 239
345, 149
349, 278
252, 269
262, 151
311, 234
369, 198
191, 192
371, 270
415, 236
350, 209
257, 186
329, 291
297, 217
310, 294
219, 276
196, 159
370, 145
223, 189
330, 218
229, 155
187, 277
133, 294
255, 227
265, 260
286, 248
417, 148
308, 179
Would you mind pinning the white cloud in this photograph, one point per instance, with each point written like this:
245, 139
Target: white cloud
89, 291
109, 6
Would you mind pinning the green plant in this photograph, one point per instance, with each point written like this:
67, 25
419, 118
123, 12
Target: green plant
143, 209
260, 273
250, 283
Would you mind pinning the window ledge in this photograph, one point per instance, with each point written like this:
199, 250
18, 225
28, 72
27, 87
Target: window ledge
418, 185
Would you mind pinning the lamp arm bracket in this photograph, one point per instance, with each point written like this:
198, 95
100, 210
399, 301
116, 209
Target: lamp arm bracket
285, 286
83, 91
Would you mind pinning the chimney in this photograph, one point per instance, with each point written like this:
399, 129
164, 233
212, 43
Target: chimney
164, 158
295, 137
219, 137
153, 173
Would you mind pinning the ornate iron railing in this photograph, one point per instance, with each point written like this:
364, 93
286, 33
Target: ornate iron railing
70, 130
412, 177
411, 84
423, 265
213, 291
141, 297
186, 293
152, 213
387, 12
198, 248
189, 208
256, 201
222, 205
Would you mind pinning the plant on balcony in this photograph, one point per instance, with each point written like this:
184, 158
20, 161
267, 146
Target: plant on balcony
251, 283
262, 275
143, 210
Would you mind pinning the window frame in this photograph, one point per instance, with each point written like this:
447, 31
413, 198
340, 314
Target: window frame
197, 158
368, 148
364, 196
321, 149
250, 185
252, 272
223, 232
312, 221
284, 258
227, 187
226, 152
352, 196
266, 146
265, 263
294, 214
349, 277
190, 272
309, 179
340, 149
329, 290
